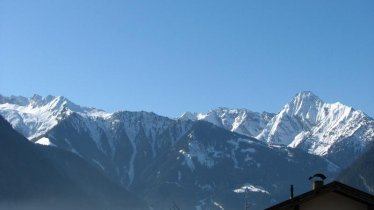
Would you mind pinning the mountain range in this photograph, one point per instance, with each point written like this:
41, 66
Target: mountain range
201, 160
331, 130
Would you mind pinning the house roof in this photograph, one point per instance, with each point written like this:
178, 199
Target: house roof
336, 187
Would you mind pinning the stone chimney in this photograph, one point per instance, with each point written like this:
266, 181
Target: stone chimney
317, 180
317, 184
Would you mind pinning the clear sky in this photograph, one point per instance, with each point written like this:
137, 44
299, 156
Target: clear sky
171, 56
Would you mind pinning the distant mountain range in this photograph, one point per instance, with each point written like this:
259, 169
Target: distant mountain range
335, 131
201, 160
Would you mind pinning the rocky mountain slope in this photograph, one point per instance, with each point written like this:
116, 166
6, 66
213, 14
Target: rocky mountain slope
212, 168
183, 156
38, 177
120, 145
360, 173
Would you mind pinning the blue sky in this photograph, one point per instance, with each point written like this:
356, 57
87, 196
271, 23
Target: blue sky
174, 56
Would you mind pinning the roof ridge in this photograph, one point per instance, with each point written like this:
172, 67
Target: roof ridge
334, 186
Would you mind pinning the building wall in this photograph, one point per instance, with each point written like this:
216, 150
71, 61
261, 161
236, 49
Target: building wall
332, 201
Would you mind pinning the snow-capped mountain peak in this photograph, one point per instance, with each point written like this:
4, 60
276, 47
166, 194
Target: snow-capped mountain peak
37, 100
188, 116
306, 96
305, 105
318, 127
35, 115
242, 120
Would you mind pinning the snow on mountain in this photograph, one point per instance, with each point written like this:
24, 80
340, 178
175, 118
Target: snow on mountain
147, 126
33, 175
311, 124
188, 156
248, 187
242, 121
121, 144
298, 115
45, 141
216, 165
307, 122
36, 115
114, 141
188, 116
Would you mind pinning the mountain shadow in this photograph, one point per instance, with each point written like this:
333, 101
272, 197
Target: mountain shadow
36, 177
360, 173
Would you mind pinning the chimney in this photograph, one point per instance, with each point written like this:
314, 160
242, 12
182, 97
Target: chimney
317, 184
317, 180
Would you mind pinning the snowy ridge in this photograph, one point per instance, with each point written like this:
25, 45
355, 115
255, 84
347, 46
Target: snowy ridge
306, 122
242, 121
251, 188
315, 126
36, 115
298, 115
